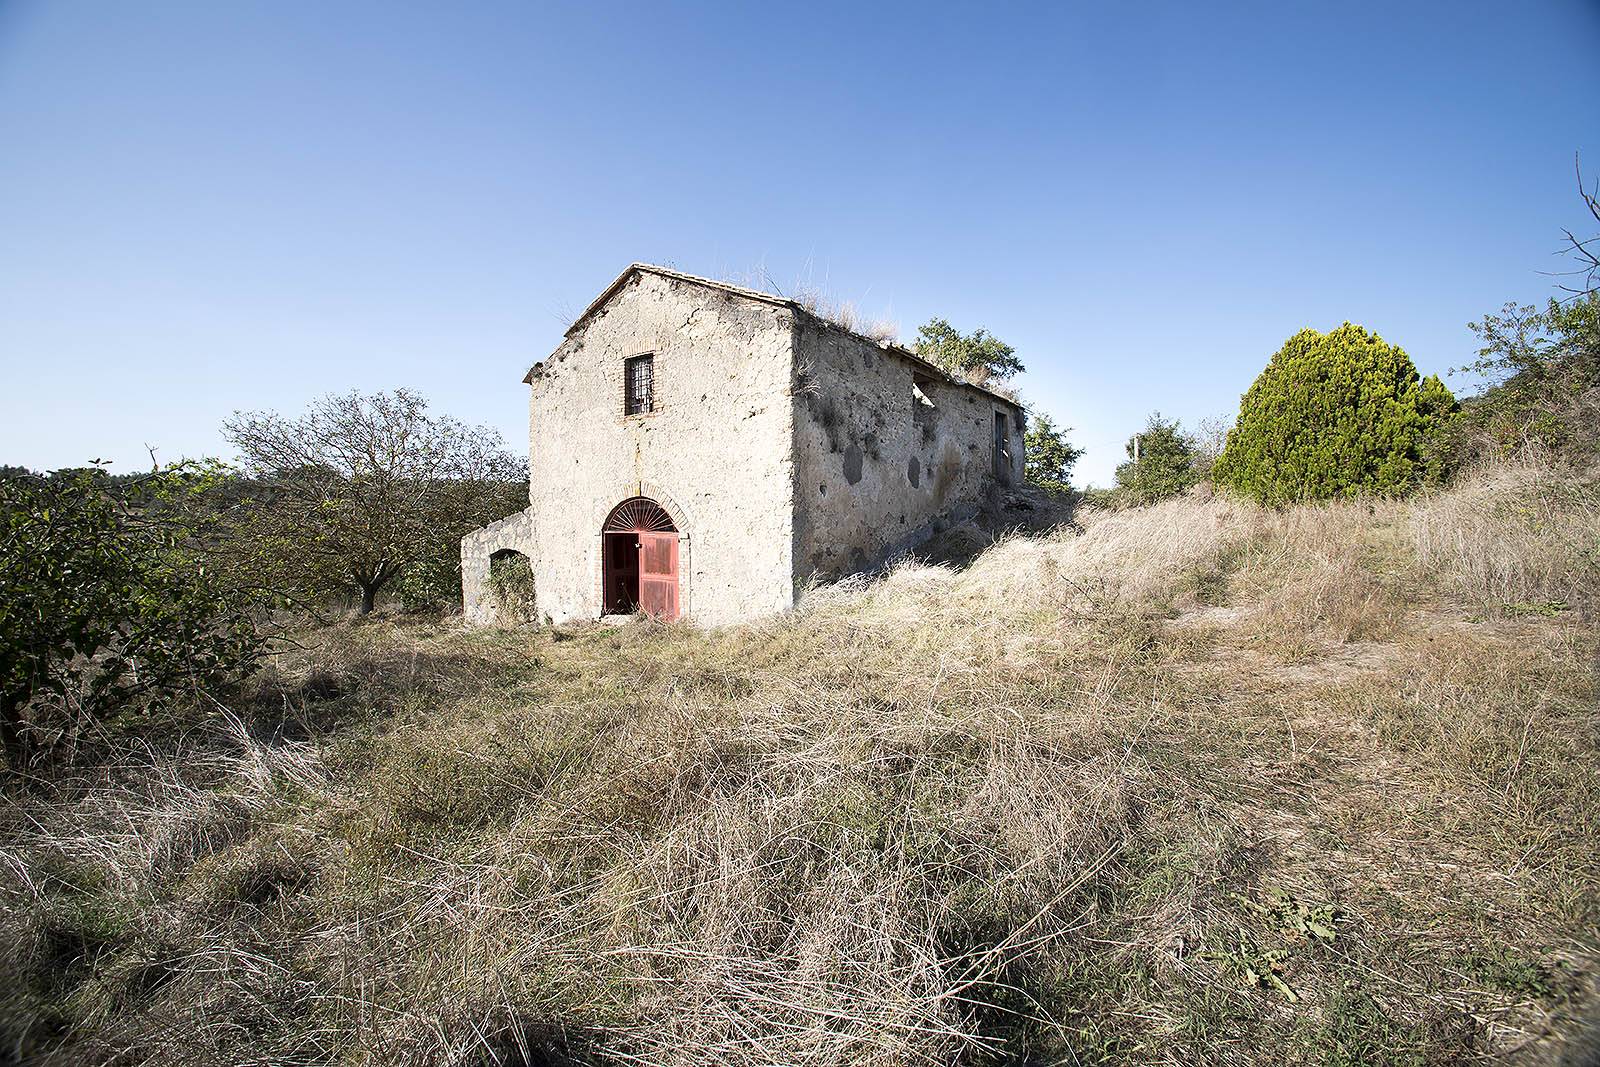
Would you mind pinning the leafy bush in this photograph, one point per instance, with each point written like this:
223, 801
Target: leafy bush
1542, 375
105, 600
1050, 456
1165, 466
1336, 415
432, 582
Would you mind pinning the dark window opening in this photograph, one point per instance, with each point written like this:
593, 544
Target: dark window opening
638, 389
1002, 448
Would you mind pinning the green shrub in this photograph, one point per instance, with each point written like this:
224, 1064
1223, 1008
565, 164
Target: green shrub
1165, 465
1050, 456
431, 582
1336, 415
1541, 375
107, 603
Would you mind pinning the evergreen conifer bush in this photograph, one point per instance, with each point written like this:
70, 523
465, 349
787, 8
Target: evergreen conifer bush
1335, 415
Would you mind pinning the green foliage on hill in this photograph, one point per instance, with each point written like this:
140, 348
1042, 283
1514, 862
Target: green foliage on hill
1165, 466
1050, 456
1334, 415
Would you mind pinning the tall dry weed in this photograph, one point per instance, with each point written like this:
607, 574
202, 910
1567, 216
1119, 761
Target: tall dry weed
1522, 535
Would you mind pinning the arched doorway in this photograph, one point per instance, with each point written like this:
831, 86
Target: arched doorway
641, 560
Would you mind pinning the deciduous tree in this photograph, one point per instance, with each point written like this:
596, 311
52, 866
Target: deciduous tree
978, 356
361, 487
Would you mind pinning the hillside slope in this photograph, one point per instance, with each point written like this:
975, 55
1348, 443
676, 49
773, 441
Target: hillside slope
1196, 783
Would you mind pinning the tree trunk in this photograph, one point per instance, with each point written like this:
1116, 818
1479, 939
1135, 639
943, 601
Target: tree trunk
372, 582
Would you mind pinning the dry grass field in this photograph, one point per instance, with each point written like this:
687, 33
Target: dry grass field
1195, 783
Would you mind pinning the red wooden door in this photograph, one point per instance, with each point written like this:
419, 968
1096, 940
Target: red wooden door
658, 575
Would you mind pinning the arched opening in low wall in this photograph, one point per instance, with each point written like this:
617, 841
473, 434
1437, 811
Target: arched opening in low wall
510, 587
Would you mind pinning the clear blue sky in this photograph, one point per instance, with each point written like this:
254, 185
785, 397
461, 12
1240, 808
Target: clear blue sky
210, 205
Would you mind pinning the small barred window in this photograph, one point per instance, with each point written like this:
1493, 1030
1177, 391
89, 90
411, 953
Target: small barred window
638, 385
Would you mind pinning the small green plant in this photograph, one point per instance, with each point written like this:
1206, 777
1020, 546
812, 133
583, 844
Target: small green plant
1288, 918
1314, 922
1520, 976
1256, 966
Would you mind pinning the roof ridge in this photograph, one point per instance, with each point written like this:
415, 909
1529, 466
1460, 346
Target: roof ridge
767, 298
716, 283
667, 272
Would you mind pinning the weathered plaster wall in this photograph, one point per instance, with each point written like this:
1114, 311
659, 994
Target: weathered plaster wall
879, 470
715, 452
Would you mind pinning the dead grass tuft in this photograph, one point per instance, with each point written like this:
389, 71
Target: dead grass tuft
844, 314
1521, 537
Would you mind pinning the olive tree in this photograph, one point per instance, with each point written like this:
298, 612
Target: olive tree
362, 487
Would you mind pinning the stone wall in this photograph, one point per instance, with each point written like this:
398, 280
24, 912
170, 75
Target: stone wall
714, 452
887, 452
513, 533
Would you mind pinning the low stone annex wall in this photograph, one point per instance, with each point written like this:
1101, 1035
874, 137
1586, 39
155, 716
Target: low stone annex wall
513, 533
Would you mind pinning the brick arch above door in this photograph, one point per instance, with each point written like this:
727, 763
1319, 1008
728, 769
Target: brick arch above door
681, 518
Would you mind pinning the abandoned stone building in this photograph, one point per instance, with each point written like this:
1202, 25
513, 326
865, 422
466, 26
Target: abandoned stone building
701, 450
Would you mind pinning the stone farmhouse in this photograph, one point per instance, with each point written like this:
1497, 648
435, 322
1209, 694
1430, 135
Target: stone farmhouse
704, 451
